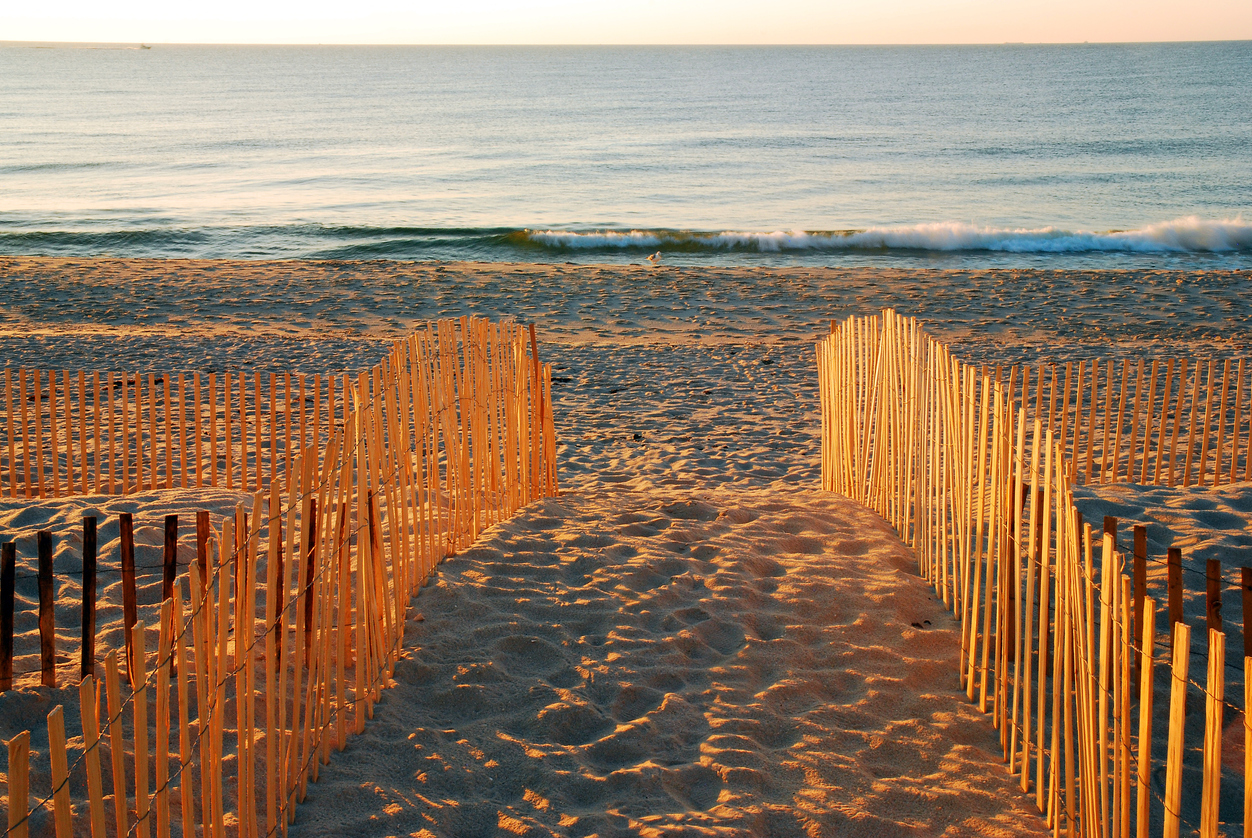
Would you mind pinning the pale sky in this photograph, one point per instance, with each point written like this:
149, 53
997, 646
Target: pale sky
623, 21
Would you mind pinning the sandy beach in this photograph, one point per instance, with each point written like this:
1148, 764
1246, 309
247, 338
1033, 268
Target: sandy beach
693, 639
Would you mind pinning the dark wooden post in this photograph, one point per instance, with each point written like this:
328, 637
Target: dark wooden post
90, 549
1174, 587
130, 608
47, 623
310, 541
1213, 594
202, 547
171, 557
1245, 582
1110, 528
8, 568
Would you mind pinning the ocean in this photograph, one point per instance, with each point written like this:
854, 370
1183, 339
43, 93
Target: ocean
1084, 156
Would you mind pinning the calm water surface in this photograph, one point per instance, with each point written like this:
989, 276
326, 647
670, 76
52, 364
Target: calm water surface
1100, 155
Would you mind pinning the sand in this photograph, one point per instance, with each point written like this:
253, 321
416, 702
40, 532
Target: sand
693, 639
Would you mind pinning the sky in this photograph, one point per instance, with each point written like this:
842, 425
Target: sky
624, 21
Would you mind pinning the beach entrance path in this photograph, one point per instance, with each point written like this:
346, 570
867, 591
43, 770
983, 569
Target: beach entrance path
692, 640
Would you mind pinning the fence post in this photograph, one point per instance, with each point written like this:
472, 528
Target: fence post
171, 557
1213, 595
1174, 586
1110, 529
8, 562
203, 530
130, 609
1245, 584
47, 627
88, 651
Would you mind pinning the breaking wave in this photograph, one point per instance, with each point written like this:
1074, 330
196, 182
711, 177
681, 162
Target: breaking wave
1182, 235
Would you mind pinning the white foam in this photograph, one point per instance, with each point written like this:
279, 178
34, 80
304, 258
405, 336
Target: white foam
1190, 234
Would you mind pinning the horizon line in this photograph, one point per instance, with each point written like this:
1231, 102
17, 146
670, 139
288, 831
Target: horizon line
78, 43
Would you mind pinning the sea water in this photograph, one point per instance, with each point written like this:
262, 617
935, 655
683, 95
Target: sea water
1127, 155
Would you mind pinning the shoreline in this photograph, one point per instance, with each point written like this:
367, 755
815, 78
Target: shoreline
990, 315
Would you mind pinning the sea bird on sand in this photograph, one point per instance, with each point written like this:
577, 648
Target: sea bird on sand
655, 258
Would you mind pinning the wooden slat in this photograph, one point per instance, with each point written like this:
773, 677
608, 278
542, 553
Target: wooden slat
1143, 774
1214, 704
1177, 720
1220, 450
38, 412
186, 791
117, 748
62, 811
89, 705
54, 436
227, 437
10, 425
19, 785
161, 740
139, 706
1236, 429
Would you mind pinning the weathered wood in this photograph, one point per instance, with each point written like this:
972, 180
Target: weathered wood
1143, 774
1110, 529
47, 621
19, 785
198, 427
8, 565
87, 667
1245, 585
1141, 584
170, 558
1213, 594
1177, 722
139, 707
130, 608
203, 531
10, 424
1214, 704
62, 811
184, 445
161, 740
1247, 745
89, 710
1220, 450
1174, 586
186, 791
1178, 406
1193, 423
117, 748
1235, 431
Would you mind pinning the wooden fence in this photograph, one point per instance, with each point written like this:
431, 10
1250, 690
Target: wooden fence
1175, 422
1058, 642
272, 648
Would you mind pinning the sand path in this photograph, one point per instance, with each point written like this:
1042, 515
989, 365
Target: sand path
726, 662
692, 640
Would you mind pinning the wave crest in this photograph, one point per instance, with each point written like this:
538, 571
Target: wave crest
1182, 235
